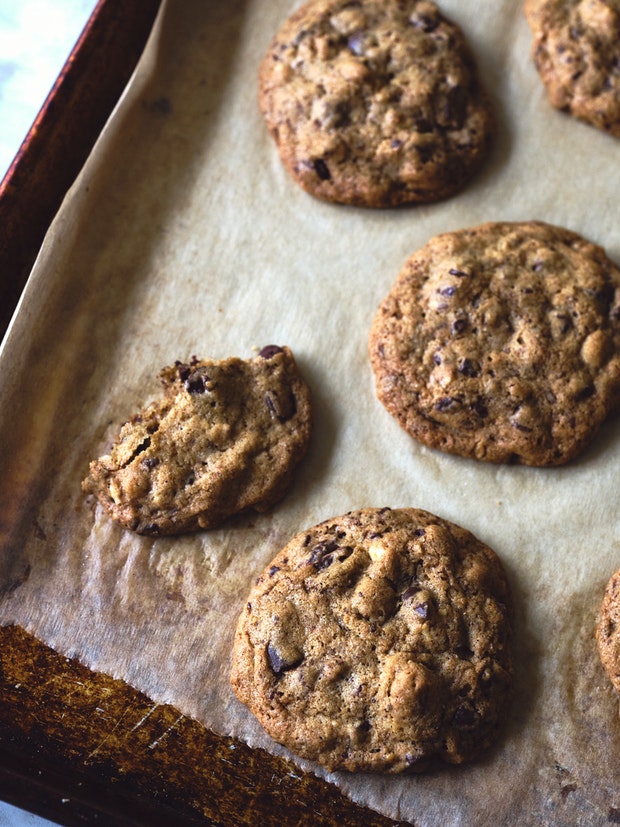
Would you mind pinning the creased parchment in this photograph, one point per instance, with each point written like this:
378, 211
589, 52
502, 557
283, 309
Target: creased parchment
185, 236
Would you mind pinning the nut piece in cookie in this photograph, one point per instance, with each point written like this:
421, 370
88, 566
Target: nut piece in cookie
576, 50
502, 343
379, 640
375, 103
608, 631
225, 437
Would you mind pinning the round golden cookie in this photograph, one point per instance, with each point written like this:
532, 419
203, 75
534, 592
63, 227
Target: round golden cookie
375, 102
608, 630
378, 640
576, 50
225, 437
502, 343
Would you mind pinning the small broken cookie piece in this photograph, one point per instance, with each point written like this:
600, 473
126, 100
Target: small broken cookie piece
379, 640
375, 103
502, 343
576, 50
608, 631
225, 437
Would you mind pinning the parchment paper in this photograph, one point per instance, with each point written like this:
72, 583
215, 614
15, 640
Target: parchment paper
185, 236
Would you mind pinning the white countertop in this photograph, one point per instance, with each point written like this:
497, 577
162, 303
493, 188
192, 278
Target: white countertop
36, 37
12, 817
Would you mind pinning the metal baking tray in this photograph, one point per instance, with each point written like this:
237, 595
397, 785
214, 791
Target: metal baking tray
81, 747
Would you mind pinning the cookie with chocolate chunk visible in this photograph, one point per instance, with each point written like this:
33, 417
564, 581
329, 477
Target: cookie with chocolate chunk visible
379, 640
226, 437
502, 343
576, 50
608, 630
375, 103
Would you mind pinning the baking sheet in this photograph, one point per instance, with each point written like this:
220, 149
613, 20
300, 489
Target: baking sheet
184, 235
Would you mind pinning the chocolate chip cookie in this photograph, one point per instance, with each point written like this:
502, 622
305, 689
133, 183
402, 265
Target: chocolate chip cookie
379, 640
608, 631
375, 102
225, 437
576, 50
502, 343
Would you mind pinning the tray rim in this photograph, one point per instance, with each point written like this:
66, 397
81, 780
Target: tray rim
153, 767
62, 135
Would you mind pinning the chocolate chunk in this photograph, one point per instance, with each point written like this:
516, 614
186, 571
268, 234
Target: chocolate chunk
455, 108
271, 405
412, 760
468, 368
321, 169
423, 605
604, 295
585, 393
480, 408
427, 153
196, 383
410, 592
283, 406
269, 351
322, 554
445, 403
356, 43
279, 664
523, 428
422, 609
424, 22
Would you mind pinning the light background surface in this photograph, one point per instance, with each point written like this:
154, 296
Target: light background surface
36, 36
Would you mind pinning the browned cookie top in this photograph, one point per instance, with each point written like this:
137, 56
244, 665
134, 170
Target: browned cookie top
608, 631
225, 437
378, 640
502, 342
576, 49
374, 102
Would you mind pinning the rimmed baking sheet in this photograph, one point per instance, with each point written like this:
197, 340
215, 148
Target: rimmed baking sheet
182, 236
